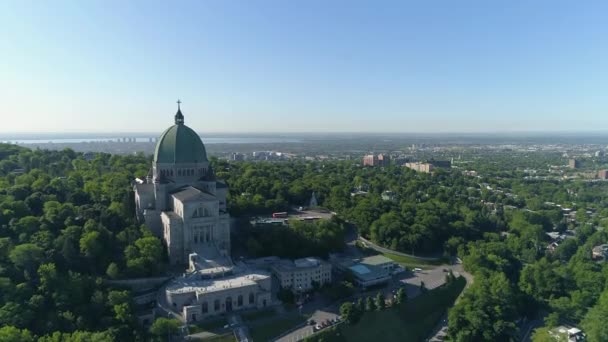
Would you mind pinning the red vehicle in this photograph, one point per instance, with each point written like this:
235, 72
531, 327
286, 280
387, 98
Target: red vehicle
282, 214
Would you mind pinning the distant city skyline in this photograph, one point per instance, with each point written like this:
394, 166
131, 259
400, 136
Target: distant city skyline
296, 67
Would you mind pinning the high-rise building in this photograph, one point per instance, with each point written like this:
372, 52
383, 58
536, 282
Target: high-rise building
370, 160
376, 160
384, 159
420, 167
237, 157
574, 164
602, 174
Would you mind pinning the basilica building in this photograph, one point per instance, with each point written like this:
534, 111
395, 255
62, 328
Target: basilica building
183, 203
180, 200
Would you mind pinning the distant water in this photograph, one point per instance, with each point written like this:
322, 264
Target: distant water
218, 140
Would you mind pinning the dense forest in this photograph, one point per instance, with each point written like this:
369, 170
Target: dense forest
67, 224
496, 222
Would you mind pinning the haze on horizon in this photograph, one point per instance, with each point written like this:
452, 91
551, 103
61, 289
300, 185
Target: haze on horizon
315, 66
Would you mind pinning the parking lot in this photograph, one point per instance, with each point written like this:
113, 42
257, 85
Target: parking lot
432, 278
410, 280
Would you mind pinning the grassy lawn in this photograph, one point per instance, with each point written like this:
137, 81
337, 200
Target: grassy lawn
413, 262
255, 315
267, 331
412, 321
207, 325
406, 261
219, 338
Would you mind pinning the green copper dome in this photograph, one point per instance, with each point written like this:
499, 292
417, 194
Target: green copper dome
179, 144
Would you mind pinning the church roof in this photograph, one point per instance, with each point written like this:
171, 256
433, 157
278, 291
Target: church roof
191, 193
180, 144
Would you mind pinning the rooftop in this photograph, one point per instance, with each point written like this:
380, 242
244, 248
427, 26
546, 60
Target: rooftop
298, 264
191, 193
192, 284
376, 260
368, 272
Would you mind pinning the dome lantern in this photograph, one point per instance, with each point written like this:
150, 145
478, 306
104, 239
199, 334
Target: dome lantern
179, 117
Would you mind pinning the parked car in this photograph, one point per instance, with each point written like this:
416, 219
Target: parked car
417, 269
312, 322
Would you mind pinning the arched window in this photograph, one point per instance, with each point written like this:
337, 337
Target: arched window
171, 173
216, 305
205, 307
251, 298
240, 300
179, 172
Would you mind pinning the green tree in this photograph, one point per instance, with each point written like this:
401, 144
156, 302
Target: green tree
79, 336
541, 281
485, 312
361, 305
113, 272
12, 334
380, 301
370, 304
164, 328
401, 296
543, 335
350, 313
594, 322
27, 257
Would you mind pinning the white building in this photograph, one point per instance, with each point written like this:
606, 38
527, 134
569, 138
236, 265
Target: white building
367, 271
197, 298
301, 274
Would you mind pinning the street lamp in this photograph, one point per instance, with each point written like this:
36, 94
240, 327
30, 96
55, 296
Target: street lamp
300, 298
168, 330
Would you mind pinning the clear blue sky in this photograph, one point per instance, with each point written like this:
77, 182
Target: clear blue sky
304, 66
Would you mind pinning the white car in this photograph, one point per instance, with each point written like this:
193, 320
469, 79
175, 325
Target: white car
417, 269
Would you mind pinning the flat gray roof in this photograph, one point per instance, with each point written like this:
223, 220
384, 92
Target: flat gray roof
376, 260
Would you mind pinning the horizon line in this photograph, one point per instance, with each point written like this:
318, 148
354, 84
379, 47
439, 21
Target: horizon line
597, 131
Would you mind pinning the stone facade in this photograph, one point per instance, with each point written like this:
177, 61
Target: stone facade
301, 274
199, 299
182, 202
